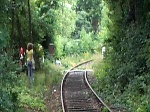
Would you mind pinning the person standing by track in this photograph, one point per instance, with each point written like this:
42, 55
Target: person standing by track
22, 58
30, 59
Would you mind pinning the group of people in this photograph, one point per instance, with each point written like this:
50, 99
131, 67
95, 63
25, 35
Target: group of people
29, 60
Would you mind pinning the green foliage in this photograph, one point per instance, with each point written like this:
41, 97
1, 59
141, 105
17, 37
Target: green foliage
81, 23
105, 110
105, 21
86, 43
52, 73
4, 32
31, 99
59, 21
59, 46
73, 26
123, 79
8, 80
93, 14
4, 37
70, 61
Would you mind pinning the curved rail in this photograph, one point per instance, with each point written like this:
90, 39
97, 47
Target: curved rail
86, 79
63, 108
63, 81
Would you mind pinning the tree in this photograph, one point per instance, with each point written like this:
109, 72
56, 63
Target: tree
30, 27
126, 65
93, 8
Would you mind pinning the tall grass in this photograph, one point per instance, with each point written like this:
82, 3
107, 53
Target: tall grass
33, 96
71, 61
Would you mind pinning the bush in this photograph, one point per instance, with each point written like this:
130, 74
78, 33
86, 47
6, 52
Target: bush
8, 81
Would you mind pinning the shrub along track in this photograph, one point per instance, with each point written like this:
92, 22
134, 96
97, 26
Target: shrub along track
77, 94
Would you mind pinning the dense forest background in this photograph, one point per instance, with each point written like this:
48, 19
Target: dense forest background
76, 27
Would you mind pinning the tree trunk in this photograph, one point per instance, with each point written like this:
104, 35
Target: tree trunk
138, 10
95, 24
21, 42
131, 14
13, 20
30, 27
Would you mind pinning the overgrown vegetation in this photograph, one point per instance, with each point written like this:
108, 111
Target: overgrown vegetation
123, 78
77, 28
35, 96
8, 93
40, 22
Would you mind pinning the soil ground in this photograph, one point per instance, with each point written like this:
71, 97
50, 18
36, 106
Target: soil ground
53, 101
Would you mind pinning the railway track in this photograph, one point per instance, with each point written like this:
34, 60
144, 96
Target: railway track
77, 94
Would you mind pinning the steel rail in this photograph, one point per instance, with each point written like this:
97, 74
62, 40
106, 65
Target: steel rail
86, 79
63, 108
